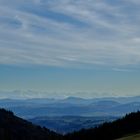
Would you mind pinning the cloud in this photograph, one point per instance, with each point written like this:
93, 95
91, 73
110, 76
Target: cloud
122, 70
69, 32
30, 94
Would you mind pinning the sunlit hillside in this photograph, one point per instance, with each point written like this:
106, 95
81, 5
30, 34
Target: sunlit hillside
133, 137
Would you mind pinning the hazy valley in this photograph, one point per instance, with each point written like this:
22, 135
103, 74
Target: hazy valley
71, 114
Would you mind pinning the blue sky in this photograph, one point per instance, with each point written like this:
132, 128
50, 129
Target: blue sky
69, 48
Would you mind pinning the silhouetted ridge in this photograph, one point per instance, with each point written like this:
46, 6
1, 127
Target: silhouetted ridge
109, 131
14, 128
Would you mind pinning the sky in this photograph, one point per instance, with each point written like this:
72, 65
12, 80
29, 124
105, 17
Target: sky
60, 48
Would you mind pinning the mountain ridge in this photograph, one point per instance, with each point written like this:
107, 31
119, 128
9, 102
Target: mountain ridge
15, 128
72, 106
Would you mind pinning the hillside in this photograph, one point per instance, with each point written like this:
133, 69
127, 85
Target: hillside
130, 124
14, 128
133, 137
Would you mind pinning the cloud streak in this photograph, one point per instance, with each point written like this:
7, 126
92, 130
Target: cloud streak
69, 33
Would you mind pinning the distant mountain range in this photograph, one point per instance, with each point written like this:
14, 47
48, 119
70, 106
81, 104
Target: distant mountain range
72, 106
71, 114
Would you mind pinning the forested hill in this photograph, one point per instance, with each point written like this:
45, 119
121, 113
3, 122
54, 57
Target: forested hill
15, 128
109, 131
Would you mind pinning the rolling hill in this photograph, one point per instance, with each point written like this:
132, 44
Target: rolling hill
15, 128
72, 106
128, 125
69, 124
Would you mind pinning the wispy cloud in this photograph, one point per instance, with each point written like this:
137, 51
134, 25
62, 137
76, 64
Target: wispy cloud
122, 70
69, 32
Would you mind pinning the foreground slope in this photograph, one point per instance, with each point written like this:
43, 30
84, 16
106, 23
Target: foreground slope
133, 137
14, 128
130, 124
